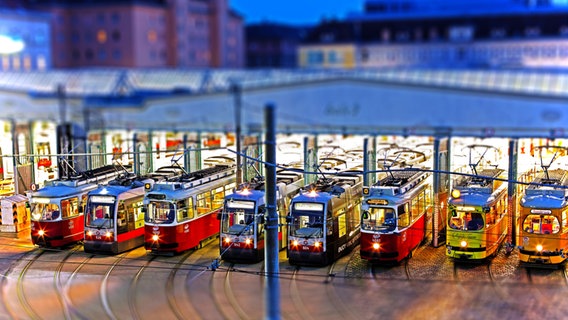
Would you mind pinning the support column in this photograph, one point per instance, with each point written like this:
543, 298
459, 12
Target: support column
511, 191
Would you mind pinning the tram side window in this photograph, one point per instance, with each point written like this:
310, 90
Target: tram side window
83, 203
564, 220
341, 220
403, 215
218, 196
70, 207
230, 188
184, 207
203, 203
136, 210
65, 208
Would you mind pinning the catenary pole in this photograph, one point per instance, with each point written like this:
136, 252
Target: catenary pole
236, 89
271, 226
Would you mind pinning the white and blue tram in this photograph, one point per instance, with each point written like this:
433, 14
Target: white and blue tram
242, 220
324, 220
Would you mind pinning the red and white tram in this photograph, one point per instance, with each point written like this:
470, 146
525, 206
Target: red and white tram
182, 212
57, 208
396, 213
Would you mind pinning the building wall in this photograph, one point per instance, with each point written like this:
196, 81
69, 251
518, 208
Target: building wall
33, 31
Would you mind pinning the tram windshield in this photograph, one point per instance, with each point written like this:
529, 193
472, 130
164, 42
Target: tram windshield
379, 219
45, 211
541, 224
465, 220
237, 217
160, 212
308, 220
100, 212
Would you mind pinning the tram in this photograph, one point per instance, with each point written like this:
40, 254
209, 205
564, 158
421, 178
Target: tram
182, 212
242, 220
477, 214
57, 208
114, 216
543, 234
324, 220
396, 213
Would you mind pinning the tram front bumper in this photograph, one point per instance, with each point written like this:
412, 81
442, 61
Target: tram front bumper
541, 258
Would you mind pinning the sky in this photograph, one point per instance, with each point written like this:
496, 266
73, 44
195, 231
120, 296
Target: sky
295, 12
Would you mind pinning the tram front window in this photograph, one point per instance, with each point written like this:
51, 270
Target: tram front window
465, 220
238, 217
541, 224
99, 215
160, 212
308, 220
44, 211
379, 219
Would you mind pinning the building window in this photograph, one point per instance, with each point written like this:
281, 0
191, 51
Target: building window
101, 18
116, 54
315, 57
27, 63
76, 55
16, 62
89, 54
115, 18
101, 36
152, 36
75, 37
115, 35
5, 63
102, 55
41, 63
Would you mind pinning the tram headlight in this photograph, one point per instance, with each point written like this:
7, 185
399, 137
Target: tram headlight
539, 247
227, 240
376, 246
248, 241
155, 238
90, 233
108, 234
317, 244
456, 193
463, 243
295, 243
40, 233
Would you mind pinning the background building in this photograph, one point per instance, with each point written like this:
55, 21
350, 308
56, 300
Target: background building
141, 33
411, 33
273, 45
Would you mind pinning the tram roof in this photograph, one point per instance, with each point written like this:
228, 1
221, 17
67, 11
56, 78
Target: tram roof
57, 191
133, 85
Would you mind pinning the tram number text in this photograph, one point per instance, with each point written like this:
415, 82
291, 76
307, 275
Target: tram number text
305, 248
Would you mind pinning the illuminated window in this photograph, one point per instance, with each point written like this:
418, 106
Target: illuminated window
27, 63
41, 64
152, 36
5, 63
16, 63
101, 36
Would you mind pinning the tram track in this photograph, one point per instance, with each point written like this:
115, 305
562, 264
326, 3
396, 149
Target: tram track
170, 286
58, 283
104, 285
132, 289
296, 296
34, 255
332, 293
